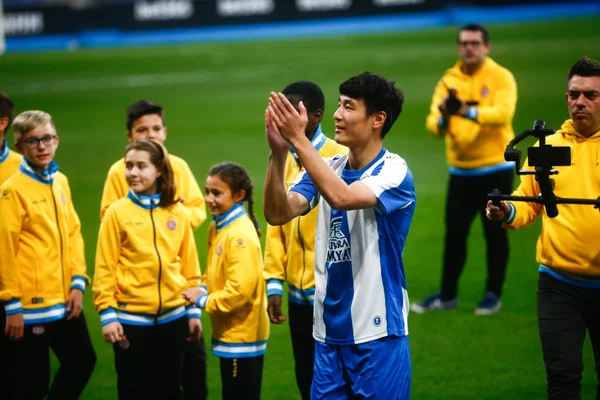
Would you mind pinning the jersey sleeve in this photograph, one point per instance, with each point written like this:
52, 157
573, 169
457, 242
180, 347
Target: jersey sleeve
392, 183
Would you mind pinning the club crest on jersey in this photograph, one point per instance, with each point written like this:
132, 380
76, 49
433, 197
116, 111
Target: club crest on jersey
38, 330
338, 248
485, 91
219, 250
377, 320
171, 224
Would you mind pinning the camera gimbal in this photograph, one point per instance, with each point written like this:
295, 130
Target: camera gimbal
543, 158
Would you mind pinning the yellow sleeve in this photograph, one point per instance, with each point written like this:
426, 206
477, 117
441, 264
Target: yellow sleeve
77, 265
523, 213
12, 215
504, 101
433, 119
190, 266
191, 197
274, 271
242, 277
108, 252
115, 187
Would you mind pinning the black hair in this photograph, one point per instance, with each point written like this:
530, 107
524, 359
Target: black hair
7, 109
141, 108
159, 157
237, 178
378, 93
585, 66
475, 28
312, 95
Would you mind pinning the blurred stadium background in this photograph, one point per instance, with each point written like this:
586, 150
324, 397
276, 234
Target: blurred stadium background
215, 93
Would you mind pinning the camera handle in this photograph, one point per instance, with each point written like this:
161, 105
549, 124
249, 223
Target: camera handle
496, 197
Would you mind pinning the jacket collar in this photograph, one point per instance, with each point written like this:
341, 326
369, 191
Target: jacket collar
45, 176
236, 211
4, 151
143, 201
317, 141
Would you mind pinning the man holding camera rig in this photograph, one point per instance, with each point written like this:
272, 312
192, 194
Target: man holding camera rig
568, 248
473, 106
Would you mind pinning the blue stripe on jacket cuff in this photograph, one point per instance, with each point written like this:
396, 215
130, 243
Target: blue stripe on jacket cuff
193, 312
78, 282
201, 302
13, 306
472, 113
107, 316
274, 287
512, 214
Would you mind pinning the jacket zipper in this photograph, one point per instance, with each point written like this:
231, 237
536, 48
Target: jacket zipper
62, 268
301, 241
159, 268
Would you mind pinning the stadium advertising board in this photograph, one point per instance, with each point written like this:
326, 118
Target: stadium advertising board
165, 14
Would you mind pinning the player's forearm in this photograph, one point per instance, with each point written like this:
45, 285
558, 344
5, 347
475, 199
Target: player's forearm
275, 203
330, 186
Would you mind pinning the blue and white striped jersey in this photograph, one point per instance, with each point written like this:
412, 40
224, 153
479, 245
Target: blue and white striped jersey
359, 274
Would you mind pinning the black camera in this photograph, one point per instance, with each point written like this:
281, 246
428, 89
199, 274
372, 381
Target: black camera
452, 102
543, 158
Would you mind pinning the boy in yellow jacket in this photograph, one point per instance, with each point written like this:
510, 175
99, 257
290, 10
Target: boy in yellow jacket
145, 120
476, 121
290, 248
9, 163
42, 268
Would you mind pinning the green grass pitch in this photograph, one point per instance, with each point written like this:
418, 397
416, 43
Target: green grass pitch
215, 96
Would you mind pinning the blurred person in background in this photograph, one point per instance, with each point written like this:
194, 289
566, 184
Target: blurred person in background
146, 120
290, 248
473, 107
568, 249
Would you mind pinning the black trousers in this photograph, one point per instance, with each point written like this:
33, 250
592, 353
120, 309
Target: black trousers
193, 376
241, 378
303, 345
149, 361
70, 341
7, 369
467, 198
565, 312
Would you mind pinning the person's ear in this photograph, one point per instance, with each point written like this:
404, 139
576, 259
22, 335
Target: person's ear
240, 195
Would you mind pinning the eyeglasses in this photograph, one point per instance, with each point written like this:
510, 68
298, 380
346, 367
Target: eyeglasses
472, 43
588, 94
32, 143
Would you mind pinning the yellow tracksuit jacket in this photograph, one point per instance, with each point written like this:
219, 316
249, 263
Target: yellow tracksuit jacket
146, 257
42, 256
568, 243
480, 141
236, 299
188, 190
9, 162
290, 248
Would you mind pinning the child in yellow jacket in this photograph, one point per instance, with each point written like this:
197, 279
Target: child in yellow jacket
146, 257
42, 270
233, 290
